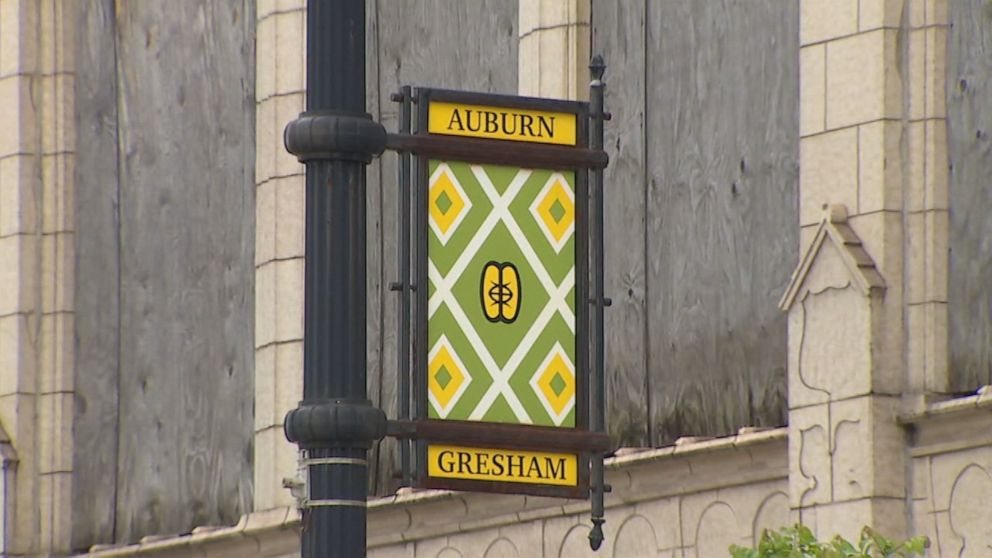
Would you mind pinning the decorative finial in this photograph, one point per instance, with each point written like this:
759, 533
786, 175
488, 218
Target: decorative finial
835, 212
596, 533
597, 67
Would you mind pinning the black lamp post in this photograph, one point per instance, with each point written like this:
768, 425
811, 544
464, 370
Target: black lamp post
335, 424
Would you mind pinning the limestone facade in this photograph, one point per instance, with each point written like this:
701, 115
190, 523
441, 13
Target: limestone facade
37, 259
692, 499
279, 240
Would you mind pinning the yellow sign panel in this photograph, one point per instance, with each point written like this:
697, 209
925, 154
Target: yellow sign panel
531, 467
457, 119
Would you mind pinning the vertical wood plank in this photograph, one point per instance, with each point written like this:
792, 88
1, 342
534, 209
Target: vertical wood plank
410, 43
380, 330
722, 118
185, 79
618, 34
969, 136
97, 282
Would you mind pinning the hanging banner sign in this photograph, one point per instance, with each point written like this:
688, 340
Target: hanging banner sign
501, 337
493, 122
530, 467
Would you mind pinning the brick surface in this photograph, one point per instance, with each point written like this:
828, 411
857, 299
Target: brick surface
863, 79
828, 173
936, 72
916, 66
916, 195
18, 213
529, 65
265, 222
288, 378
18, 282
821, 20
936, 165
287, 109
290, 47
57, 49
289, 5
54, 432
554, 50
917, 12
812, 89
289, 300
937, 248
936, 12
16, 111
10, 38
916, 257
879, 166
264, 482
265, 304
265, 52
265, 8
58, 272
881, 234
268, 139
290, 196
17, 360
57, 355
58, 193
528, 17
873, 14
265, 387
57, 113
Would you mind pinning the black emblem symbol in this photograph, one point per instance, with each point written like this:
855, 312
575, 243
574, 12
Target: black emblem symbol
500, 292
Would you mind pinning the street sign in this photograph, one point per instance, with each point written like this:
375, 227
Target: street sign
501, 337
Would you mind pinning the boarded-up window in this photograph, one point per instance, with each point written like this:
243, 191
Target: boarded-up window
969, 138
702, 212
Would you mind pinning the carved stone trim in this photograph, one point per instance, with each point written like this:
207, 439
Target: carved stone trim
856, 259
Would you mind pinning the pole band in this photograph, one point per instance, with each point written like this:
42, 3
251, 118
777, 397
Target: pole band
336, 461
334, 504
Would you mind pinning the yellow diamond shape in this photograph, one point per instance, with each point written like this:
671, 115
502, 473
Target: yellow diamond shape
557, 384
446, 203
557, 211
445, 377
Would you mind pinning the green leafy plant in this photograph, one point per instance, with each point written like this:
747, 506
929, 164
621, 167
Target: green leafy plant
799, 542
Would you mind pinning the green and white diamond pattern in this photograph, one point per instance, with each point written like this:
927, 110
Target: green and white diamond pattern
520, 372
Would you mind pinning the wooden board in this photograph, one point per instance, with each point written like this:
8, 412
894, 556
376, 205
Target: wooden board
97, 278
722, 130
409, 43
969, 136
618, 34
184, 155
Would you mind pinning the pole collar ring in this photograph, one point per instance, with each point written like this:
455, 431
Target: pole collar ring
335, 424
334, 136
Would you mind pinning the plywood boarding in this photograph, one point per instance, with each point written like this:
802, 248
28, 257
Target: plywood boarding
720, 186
435, 43
166, 191
98, 281
969, 136
619, 35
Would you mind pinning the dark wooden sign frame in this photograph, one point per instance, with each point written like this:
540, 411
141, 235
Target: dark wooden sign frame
425, 146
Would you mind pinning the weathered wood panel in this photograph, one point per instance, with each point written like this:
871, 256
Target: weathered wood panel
184, 161
435, 43
722, 137
969, 136
618, 34
97, 285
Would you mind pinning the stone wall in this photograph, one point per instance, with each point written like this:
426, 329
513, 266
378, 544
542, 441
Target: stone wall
37, 265
951, 466
692, 499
